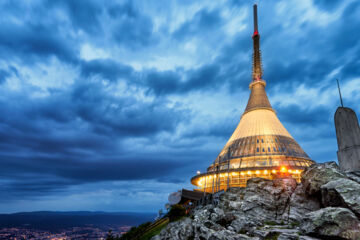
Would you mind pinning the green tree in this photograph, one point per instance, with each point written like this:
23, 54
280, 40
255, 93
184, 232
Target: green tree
176, 212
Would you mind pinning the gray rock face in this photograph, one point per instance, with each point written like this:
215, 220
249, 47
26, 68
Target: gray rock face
355, 176
267, 199
301, 204
332, 222
342, 192
319, 174
325, 205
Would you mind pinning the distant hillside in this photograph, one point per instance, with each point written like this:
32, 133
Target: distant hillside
54, 221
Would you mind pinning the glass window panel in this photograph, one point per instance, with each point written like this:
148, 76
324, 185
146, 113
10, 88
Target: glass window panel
261, 163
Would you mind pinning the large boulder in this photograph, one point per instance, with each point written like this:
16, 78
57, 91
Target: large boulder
355, 176
319, 174
342, 192
331, 222
267, 200
232, 199
300, 204
243, 224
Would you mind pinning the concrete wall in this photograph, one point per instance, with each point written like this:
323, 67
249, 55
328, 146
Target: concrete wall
348, 138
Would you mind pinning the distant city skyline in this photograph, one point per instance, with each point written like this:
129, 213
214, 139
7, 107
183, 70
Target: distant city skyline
111, 106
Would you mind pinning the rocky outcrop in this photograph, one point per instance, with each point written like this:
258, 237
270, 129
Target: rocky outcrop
355, 176
342, 192
301, 204
319, 174
325, 205
332, 222
267, 199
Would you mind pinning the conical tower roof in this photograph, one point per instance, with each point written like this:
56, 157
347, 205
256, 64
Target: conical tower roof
260, 146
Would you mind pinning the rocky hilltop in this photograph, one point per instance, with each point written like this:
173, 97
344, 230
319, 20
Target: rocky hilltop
325, 205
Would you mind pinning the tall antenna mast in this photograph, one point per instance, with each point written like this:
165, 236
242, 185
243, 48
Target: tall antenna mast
341, 101
255, 19
257, 69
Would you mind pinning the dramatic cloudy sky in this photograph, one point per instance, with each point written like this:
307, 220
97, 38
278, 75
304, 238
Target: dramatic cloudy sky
112, 105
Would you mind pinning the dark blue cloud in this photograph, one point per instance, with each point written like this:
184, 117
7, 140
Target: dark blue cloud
107, 69
32, 42
170, 82
203, 22
327, 5
162, 83
84, 14
134, 33
132, 29
305, 116
79, 138
3, 75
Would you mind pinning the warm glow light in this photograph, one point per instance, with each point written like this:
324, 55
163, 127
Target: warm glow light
296, 171
198, 172
273, 171
257, 172
290, 171
265, 171
242, 173
249, 172
283, 169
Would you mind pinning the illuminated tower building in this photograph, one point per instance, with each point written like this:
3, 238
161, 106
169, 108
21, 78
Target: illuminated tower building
260, 146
